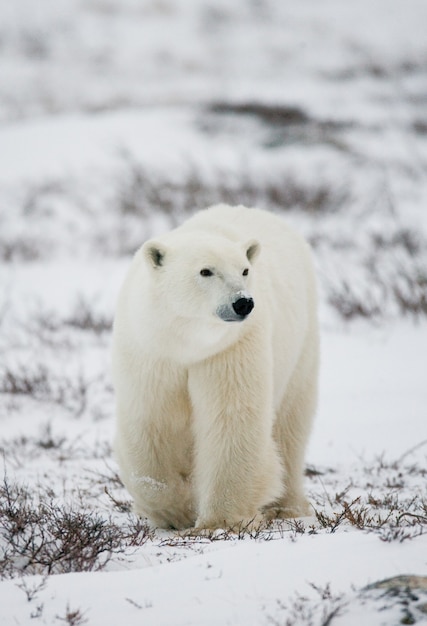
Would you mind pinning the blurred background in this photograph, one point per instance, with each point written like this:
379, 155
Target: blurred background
118, 118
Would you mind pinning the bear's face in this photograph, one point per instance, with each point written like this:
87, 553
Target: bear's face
210, 278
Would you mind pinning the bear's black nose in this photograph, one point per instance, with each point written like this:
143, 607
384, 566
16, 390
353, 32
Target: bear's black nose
243, 306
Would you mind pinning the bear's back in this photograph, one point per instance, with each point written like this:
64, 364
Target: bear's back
279, 242
237, 222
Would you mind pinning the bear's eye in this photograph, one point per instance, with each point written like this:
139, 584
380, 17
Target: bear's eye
206, 272
245, 272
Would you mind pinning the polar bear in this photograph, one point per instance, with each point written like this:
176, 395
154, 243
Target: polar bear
215, 367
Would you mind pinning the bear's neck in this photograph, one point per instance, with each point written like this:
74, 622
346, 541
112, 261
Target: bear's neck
187, 340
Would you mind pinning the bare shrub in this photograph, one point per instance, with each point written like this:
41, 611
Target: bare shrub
407, 238
32, 589
49, 441
378, 500
404, 293
42, 385
84, 317
389, 523
73, 617
381, 68
124, 506
55, 445
351, 304
270, 114
392, 279
23, 248
23, 381
34, 43
141, 192
410, 290
137, 195
301, 610
39, 197
40, 536
282, 124
420, 127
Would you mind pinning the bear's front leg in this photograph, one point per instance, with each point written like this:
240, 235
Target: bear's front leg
236, 465
153, 443
148, 469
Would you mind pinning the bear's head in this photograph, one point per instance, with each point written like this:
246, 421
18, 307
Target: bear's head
202, 277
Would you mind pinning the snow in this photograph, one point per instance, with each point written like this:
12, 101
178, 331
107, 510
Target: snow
370, 378
48, 147
238, 586
108, 136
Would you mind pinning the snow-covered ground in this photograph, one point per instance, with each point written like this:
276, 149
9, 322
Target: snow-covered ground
118, 119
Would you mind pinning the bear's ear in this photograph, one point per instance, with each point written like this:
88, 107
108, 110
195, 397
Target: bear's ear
154, 252
252, 249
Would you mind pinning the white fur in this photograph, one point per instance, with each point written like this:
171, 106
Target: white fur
213, 416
